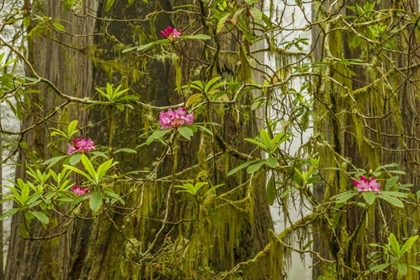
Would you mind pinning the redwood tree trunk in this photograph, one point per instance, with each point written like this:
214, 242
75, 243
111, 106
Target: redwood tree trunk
61, 58
113, 245
372, 121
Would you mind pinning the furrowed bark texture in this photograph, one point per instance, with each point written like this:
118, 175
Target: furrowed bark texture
372, 111
158, 234
62, 59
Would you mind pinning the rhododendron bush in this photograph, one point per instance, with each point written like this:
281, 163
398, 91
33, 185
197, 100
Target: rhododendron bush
212, 139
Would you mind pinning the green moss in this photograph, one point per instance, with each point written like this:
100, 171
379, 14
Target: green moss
362, 117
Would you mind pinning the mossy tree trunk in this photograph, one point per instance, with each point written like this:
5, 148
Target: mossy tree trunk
158, 233
369, 104
63, 60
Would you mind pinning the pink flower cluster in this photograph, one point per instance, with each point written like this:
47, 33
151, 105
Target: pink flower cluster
78, 190
171, 33
81, 145
174, 119
367, 185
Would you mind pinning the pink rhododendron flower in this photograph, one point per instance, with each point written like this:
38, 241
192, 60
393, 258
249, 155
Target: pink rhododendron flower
70, 149
174, 119
367, 185
171, 33
78, 190
81, 145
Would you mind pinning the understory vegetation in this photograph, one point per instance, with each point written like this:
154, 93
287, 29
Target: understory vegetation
158, 138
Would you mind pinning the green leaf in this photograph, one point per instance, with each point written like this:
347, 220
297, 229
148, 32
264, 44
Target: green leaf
78, 171
369, 197
58, 132
394, 244
141, 47
187, 187
197, 37
255, 13
205, 129
157, 134
75, 159
250, 2
272, 162
70, 3
235, 16
397, 172
120, 107
212, 189
271, 190
265, 138
59, 27
9, 213
52, 161
391, 199
408, 244
103, 168
286, 193
199, 185
26, 22
395, 194
125, 150
242, 166
335, 168
378, 267
336, 218
356, 41
180, 6
33, 199
185, 191
307, 175
402, 269
341, 198
80, 198
210, 84
186, 132
25, 190
198, 85
99, 154
109, 4
297, 175
255, 167
193, 127
95, 201
15, 194
40, 216
278, 139
258, 143
416, 267
403, 186
112, 194
89, 168
390, 182
221, 22
379, 168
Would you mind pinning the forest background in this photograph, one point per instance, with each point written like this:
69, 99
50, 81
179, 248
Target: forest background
155, 136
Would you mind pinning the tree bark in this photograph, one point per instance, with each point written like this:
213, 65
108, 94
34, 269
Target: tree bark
158, 233
62, 59
372, 121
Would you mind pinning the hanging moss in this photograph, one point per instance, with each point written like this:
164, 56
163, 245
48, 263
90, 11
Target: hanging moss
362, 119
